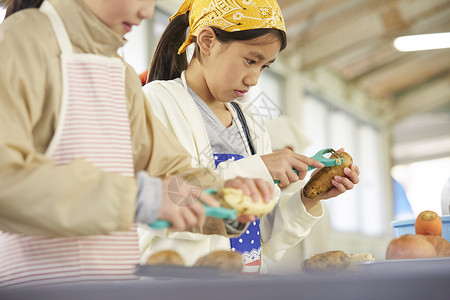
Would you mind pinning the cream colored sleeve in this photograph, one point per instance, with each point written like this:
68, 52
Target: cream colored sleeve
288, 224
37, 197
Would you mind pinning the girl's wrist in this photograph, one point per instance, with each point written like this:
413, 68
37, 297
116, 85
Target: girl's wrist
308, 202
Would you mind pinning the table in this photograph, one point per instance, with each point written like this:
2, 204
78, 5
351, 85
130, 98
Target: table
405, 279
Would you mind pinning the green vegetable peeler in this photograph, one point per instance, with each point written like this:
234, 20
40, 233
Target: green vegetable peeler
319, 156
217, 212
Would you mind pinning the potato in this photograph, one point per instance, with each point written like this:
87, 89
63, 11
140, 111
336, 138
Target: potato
356, 258
165, 257
243, 204
320, 182
440, 244
330, 261
410, 246
225, 261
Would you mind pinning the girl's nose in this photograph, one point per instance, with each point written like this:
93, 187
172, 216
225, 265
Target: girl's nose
252, 78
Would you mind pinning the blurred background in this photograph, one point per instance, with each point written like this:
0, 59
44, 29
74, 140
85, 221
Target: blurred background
341, 83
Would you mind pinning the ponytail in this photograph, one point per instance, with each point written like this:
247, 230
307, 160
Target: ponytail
13, 6
167, 64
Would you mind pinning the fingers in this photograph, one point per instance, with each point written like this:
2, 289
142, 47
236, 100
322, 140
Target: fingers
292, 176
352, 174
245, 218
176, 220
238, 183
341, 184
355, 168
184, 217
265, 189
252, 187
208, 200
301, 164
308, 161
199, 213
182, 209
346, 183
283, 180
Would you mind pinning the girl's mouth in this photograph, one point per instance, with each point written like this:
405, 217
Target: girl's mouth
127, 27
239, 94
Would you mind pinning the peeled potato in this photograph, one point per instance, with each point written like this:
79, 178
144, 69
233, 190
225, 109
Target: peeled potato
356, 258
243, 204
225, 261
165, 257
320, 182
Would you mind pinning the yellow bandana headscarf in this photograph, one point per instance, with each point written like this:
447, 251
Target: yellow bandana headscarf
230, 15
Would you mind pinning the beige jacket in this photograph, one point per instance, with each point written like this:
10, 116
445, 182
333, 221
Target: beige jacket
36, 197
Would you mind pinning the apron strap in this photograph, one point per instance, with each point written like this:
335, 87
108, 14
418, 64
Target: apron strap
58, 26
244, 126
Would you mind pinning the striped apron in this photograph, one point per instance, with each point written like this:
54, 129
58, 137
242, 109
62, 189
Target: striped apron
93, 126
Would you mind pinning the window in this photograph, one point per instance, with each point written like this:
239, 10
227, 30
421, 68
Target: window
360, 210
2, 14
424, 183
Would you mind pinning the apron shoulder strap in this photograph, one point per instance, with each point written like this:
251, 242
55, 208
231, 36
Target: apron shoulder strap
58, 27
241, 117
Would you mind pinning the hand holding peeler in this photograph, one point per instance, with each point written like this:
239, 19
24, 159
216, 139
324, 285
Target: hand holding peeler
217, 212
319, 156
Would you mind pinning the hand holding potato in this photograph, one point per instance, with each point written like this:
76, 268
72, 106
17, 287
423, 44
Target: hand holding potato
182, 203
330, 182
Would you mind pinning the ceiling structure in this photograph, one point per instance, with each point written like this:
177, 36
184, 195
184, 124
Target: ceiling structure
353, 39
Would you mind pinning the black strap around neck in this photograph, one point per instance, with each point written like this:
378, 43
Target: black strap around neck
244, 126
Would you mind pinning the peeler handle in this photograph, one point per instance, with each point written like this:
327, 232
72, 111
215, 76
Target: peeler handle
221, 212
217, 212
328, 162
160, 224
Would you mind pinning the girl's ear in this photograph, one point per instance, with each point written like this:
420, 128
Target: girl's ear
206, 39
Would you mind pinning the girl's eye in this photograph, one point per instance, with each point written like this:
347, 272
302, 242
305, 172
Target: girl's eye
250, 62
265, 67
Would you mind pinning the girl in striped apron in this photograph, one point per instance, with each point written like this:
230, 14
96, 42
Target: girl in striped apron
93, 126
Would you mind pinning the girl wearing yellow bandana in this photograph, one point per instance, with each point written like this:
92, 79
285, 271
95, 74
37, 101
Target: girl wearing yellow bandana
235, 40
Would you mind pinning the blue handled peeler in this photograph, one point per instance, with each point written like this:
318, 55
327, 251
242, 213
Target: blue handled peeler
328, 162
217, 212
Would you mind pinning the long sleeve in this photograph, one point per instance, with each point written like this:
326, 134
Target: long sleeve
289, 222
162, 154
37, 197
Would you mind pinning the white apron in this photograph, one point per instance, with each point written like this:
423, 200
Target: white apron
94, 126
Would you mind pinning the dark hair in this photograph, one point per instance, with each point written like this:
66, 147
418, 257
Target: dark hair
167, 64
13, 6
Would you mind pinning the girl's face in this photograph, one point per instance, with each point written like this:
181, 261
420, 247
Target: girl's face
122, 15
234, 67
